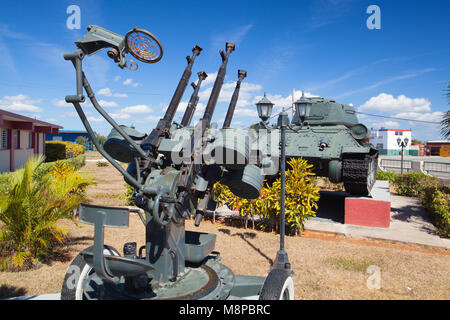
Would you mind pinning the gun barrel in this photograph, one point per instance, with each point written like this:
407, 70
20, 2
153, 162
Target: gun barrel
241, 75
190, 109
163, 126
173, 105
207, 116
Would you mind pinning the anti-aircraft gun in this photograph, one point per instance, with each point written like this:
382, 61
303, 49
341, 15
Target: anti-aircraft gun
172, 171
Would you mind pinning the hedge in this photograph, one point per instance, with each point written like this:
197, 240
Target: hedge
44, 168
58, 150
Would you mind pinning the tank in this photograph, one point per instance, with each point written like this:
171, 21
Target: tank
334, 142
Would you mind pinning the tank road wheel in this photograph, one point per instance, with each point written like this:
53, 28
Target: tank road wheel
278, 286
77, 273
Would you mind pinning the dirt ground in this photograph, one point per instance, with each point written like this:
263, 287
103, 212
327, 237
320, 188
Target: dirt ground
326, 266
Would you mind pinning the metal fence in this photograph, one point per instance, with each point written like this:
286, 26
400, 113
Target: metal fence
396, 165
439, 167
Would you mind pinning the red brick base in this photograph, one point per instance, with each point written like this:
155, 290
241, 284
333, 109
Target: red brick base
367, 212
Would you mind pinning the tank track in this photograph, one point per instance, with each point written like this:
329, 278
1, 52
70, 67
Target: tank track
359, 173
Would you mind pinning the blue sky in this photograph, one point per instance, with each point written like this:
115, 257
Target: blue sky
321, 46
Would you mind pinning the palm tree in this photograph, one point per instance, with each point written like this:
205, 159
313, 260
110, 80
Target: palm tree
445, 123
30, 209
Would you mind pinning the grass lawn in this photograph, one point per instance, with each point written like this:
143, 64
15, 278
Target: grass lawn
326, 266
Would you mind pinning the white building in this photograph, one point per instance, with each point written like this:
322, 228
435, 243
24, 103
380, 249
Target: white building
386, 141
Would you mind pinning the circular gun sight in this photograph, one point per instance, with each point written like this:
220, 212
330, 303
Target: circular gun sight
143, 45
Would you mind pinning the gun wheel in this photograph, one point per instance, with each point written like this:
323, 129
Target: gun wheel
143, 45
278, 286
76, 275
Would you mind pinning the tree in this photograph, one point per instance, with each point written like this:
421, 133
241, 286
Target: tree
445, 122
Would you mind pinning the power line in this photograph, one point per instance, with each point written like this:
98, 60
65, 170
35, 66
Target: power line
375, 115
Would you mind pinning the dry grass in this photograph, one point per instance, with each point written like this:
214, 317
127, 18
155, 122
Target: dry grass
326, 266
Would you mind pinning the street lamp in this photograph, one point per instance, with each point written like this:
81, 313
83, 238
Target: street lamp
402, 144
264, 107
282, 260
303, 107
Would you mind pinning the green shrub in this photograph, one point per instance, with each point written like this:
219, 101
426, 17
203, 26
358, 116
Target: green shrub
31, 208
54, 150
386, 175
436, 201
412, 184
101, 163
128, 195
300, 200
58, 150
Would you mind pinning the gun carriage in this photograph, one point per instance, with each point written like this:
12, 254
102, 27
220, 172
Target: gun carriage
172, 170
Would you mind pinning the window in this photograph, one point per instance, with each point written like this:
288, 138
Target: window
30, 140
4, 139
398, 133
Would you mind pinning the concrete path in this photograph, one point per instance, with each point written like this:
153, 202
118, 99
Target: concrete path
409, 223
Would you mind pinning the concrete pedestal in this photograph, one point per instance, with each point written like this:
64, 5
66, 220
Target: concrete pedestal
341, 207
372, 212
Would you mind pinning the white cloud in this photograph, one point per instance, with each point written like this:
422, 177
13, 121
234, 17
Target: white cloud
96, 119
117, 78
140, 108
383, 124
108, 93
148, 119
210, 79
119, 116
61, 103
130, 82
245, 112
20, 103
245, 93
104, 103
387, 103
428, 116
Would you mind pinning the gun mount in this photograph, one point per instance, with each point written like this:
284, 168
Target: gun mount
172, 171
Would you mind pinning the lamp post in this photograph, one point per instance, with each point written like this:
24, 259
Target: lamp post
303, 108
402, 143
282, 260
264, 107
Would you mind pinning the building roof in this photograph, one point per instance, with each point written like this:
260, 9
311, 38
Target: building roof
11, 120
11, 116
384, 129
72, 131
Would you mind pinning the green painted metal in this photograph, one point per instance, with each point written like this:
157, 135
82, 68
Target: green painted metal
171, 182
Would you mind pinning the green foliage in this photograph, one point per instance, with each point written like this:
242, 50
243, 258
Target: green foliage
434, 196
128, 195
412, 184
82, 141
101, 163
386, 175
31, 207
54, 151
436, 200
58, 150
101, 139
300, 198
